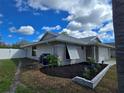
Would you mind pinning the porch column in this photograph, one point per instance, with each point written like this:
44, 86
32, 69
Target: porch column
94, 53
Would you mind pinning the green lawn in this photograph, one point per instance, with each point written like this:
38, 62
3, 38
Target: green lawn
23, 89
7, 71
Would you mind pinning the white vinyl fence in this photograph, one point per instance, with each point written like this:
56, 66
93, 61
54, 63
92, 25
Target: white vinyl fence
12, 53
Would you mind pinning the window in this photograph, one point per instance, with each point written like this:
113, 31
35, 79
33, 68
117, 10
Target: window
33, 50
73, 52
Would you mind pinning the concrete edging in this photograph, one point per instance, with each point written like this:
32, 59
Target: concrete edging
94, 82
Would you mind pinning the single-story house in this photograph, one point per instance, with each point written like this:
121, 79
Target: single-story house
68, 49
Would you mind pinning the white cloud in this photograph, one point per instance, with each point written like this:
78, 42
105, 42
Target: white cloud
37, 4
84, 11
83, 14
20, 38
106, 28
78, 34
26, 30
58, 27
1, 15
103, 32
73, 25
106, 37
10, 36
12, 29
21, 5
36, 14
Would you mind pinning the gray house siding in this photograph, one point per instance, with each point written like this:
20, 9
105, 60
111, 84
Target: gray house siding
59, 50
104, 54
40, 49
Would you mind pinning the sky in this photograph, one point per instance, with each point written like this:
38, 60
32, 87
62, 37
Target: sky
30, 19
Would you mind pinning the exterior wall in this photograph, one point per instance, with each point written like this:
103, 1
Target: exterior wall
29, 53
104, 54
12, 53
61, 52
112, 53
40, 49
58, 50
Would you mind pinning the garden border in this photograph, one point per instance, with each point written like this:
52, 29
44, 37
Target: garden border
94, 82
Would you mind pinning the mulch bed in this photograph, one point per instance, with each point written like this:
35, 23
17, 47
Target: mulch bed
68, 71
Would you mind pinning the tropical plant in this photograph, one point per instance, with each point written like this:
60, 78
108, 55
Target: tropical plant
52, 60
86, 73
91, 60
92, 69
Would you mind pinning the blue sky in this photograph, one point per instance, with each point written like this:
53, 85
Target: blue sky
29, 19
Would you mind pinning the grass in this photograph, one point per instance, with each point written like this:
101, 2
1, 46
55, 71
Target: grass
23, 89
109, 82
39, 82
7, 71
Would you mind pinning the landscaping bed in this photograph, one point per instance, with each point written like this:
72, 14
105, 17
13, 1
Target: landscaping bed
70, 71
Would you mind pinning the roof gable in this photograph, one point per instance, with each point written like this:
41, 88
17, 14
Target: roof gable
48, 35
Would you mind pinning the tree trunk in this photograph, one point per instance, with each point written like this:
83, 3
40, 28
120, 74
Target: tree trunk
118, 21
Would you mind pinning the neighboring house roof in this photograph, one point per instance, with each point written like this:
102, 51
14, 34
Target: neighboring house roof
68, 39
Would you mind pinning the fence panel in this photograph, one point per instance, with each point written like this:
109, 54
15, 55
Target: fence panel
12, 53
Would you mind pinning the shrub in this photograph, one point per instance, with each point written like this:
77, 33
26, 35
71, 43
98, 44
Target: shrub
91, 60
92, 69
52, 60
86, 73
98, 66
